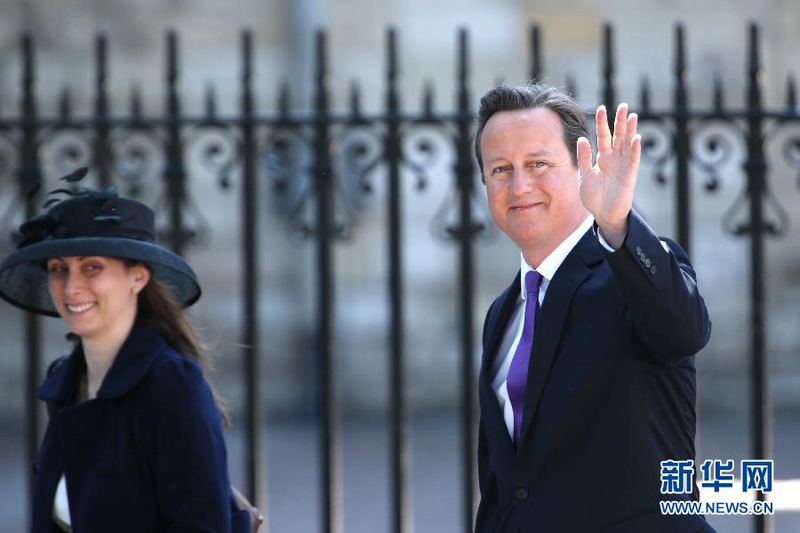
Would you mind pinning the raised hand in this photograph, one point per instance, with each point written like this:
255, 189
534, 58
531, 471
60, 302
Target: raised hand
607, 186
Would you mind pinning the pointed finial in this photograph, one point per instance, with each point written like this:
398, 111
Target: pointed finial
719, 97
534, 43
211, 102
644, 95
355, 101
427, 99
65, 104
284, 99
791, 94
136, 102
571, 86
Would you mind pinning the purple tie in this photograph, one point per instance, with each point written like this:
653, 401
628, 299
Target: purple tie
518, 371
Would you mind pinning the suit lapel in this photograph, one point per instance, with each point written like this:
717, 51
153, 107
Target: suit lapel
550, 320
496, 324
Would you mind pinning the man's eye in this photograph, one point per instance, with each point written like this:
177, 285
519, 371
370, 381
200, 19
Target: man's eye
539, 164
501, 170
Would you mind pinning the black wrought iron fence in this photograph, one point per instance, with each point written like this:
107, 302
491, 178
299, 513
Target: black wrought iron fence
261, 146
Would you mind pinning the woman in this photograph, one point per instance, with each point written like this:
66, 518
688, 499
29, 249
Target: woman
134, 440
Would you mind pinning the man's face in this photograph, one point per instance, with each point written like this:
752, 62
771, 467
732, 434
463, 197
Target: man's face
531, 181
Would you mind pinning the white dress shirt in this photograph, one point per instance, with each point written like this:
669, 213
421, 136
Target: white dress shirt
511, 337
61, 506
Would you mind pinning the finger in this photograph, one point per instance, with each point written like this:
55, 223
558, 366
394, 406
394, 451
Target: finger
620, 123
629, 177
584, 156
636, 153
603, 133
630, 130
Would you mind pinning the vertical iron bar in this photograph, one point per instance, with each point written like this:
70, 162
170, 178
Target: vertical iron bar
250, 346
29, 180
534, 42
465, 181
718, 96
400, 455
609, 93
102, 136
756, 168
136, 105
327, 405
65, 106
174, 173
791, 95
572, 86
211, 103
682, 143
644, 96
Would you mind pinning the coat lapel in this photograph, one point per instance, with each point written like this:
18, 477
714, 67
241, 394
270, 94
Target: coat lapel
496, 324
551, 317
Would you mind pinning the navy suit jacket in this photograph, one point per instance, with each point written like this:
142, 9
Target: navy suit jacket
610, 394
147, 454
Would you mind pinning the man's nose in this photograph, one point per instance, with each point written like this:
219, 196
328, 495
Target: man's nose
521, 182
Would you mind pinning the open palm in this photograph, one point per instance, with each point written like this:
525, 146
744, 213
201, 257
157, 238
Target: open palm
607, 187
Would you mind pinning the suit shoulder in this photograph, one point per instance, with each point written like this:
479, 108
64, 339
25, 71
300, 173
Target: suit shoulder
174, 372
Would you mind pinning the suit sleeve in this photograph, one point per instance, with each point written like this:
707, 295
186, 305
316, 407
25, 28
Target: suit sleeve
487, 515
483, 453
668, 315
190, 464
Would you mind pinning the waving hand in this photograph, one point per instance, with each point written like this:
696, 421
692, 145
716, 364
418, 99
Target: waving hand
607, 186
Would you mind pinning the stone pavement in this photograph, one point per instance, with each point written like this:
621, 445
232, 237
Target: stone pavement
292, 472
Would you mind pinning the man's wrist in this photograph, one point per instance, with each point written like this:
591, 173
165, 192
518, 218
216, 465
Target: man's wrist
614, 234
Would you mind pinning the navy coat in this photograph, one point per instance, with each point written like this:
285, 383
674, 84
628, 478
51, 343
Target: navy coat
610, 394
146, 455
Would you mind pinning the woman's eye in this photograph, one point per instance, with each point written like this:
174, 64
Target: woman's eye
91, 268
55, 269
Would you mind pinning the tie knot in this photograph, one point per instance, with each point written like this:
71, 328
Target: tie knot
532, 282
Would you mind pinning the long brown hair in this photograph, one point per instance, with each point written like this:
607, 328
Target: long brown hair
159, 310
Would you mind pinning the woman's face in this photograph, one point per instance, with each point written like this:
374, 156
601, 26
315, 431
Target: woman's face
96, 296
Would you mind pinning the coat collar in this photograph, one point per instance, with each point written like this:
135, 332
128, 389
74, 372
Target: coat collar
132, 363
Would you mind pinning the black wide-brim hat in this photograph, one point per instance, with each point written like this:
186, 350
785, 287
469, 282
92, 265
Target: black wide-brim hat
90, 223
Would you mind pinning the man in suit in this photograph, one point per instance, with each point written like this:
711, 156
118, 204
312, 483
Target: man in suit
587, 380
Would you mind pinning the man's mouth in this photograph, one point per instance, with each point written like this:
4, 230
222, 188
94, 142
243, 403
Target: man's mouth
527, 205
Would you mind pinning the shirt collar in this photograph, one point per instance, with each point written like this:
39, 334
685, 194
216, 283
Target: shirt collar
549, 265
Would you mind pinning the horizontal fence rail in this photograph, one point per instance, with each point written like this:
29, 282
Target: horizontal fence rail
125, 150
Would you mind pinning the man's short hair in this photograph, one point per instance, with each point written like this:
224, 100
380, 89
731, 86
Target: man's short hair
509, 98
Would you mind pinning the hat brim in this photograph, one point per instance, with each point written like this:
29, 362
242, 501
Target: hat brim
23, 278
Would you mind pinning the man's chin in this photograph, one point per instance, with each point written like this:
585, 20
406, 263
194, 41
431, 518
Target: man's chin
529, 242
